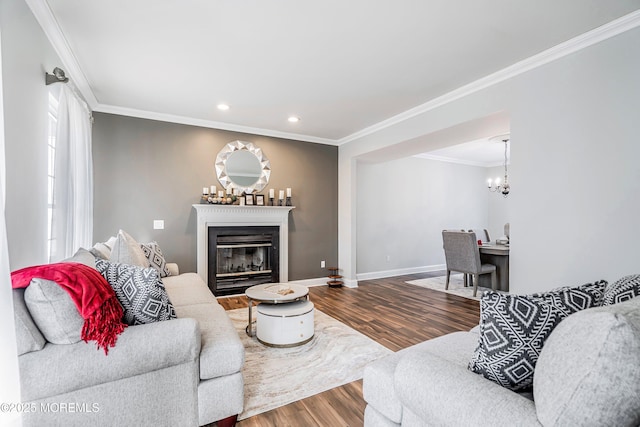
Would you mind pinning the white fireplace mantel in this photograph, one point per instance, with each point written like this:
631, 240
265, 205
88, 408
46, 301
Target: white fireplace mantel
210, 215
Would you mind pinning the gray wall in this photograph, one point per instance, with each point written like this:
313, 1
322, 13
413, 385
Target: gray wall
26, 55
403, 206
146, 170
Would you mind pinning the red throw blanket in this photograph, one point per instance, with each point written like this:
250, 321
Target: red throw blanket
94, 297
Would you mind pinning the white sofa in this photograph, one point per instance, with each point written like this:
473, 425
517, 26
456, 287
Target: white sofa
588, 374
184, 371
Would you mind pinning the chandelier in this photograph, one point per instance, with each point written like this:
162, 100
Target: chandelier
497, 185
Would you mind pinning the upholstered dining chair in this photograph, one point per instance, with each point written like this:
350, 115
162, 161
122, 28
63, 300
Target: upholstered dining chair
462, 255
482, 234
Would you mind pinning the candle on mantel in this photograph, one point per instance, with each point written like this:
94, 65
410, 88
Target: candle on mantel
288, 192
272, 193
213, 190
281, 194
235, 191
205, 190
229, 190
221, 194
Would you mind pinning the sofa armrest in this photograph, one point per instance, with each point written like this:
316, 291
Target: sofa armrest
444, 393
140, 349
173, 268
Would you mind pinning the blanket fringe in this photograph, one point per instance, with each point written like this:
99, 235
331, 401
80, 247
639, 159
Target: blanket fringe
104, 325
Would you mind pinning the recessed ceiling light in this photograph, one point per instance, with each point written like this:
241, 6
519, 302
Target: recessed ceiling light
294, 119
223, 107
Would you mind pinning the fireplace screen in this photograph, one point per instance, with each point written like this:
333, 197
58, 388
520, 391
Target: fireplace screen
240, 257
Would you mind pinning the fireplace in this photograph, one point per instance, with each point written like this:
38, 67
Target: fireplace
240, 257
232, 216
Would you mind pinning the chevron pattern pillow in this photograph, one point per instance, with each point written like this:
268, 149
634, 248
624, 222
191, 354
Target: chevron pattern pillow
156, 259
513, 329
622, 290
140, 292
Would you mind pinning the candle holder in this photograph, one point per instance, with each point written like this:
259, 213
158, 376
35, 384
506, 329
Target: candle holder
288, 203
270, 201
280, 201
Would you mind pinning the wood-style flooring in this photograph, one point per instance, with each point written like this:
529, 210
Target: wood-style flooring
389, 311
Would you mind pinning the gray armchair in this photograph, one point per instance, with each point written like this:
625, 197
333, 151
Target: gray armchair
462, 255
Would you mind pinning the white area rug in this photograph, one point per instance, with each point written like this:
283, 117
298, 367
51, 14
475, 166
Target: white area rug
456, 286
274, 377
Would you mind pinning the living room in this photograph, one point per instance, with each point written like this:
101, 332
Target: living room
571, 112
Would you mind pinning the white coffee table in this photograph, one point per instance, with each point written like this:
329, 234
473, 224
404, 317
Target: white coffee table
273, 293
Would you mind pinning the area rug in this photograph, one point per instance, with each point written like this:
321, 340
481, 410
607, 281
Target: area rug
456, 286
274, 377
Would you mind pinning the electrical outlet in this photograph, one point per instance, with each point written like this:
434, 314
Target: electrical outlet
158, 224
322, 264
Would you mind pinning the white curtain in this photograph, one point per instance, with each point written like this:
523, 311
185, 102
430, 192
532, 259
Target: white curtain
73, 189
10, 389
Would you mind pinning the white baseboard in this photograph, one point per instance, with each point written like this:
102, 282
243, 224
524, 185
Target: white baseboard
319, 281
400, 272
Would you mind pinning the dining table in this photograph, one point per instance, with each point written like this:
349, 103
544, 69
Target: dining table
497, 255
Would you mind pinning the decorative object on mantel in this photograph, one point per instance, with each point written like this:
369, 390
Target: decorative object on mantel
243, 167
280, 197
502, 187
271, 196
335, 280
288, 203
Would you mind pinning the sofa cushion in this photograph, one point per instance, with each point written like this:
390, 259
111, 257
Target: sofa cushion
587, 373
622, 290
188, 289
514, 328
127, 251
28, 336
102, 250
53, 311
378, 378
83, 256
140, 292
222, 351
156, 260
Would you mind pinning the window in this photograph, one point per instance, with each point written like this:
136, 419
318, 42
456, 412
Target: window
51, 177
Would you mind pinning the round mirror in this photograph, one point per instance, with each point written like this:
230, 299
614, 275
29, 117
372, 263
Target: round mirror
243, 166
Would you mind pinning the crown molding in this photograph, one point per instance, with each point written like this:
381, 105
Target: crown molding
457, 161
172, 118
47, 21
44, 16
604, 32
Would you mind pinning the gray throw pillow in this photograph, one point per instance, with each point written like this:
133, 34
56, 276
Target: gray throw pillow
156, 260
54, 312
140, 292
83, 256
28, 336
514, 328
587, 373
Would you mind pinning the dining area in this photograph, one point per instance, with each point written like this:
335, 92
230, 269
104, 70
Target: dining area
483, 262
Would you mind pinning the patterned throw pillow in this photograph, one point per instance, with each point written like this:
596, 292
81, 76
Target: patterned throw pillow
622, 290
156, 259
513, 329
140, 292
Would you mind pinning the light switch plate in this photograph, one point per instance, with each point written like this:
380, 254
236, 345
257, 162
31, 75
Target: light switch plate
158, 224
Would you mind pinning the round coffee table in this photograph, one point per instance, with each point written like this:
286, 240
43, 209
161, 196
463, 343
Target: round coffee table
273, 293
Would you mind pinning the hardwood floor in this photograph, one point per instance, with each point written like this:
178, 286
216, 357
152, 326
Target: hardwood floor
389, 311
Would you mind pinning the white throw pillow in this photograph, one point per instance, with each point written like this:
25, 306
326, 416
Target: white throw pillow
127, 251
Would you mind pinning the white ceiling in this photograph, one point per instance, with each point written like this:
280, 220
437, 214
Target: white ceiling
341, 66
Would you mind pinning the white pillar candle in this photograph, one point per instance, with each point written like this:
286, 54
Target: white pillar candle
272, 193
288, 192
205, 190
281, 194
213, 190
235, 191
220, 193
229, 190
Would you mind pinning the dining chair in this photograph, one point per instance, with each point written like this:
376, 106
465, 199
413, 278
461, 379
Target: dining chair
462, 255
482, 234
